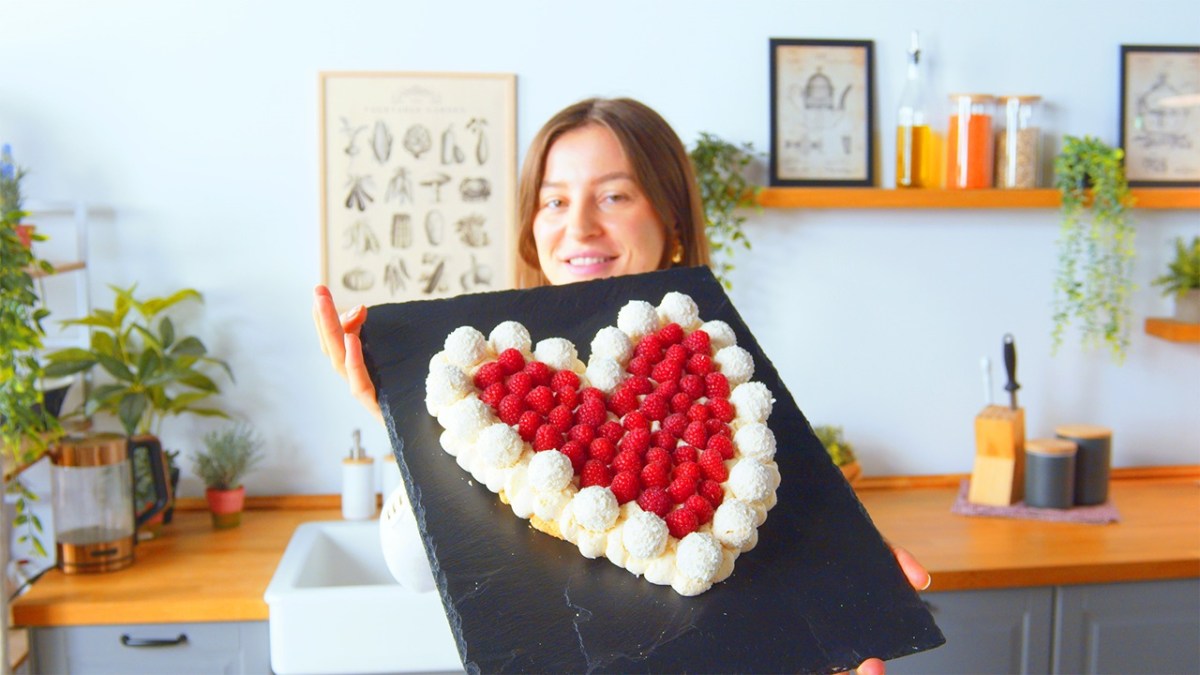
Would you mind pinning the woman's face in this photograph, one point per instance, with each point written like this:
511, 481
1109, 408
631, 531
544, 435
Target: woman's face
593, 220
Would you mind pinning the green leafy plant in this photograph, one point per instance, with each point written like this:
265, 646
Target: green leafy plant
1183, 273
1093, 283
720, 168
156, 372
840, 451
229, 454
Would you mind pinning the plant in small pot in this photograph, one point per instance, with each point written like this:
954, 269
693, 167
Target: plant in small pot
1182, 280
840, 451
720, 168
1093, 282
229, 454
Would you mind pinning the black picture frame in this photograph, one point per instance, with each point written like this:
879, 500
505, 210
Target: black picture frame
1160, 115
822, 113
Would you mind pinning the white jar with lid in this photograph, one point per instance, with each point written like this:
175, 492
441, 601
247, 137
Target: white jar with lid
1019, 143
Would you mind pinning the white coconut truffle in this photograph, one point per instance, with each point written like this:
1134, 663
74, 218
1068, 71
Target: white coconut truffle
499, 446
445, 384
679, 308
466, 418
736, 364
644, 534
733, 523
596, 508
605, 373
611, 342
637, 318
550, 471
753, 401
558, 353
720, 334
699, 556
465, 346
755, 441
510, 335
750, 481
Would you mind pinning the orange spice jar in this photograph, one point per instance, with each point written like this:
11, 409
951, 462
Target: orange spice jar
969, 141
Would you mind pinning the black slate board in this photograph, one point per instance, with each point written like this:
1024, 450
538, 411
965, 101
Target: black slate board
820, 593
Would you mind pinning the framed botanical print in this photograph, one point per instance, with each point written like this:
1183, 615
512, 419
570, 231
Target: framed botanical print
1160, 115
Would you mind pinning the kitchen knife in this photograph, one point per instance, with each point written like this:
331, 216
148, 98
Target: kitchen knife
1010, 367
986, 365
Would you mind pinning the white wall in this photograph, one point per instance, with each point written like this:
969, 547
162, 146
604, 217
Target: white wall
197, 123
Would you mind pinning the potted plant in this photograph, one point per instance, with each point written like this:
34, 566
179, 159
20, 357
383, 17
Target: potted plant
228, 455
720, 172
1182, 280
840, 451
1093, 283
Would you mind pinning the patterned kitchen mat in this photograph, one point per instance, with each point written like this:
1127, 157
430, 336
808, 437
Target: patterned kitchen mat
1100, 514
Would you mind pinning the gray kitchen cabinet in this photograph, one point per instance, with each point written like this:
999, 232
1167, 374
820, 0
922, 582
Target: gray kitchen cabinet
177, 648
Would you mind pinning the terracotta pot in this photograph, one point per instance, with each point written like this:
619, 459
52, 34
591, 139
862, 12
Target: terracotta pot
1187, 306
226, 506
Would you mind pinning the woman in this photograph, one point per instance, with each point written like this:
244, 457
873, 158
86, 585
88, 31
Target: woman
606, 189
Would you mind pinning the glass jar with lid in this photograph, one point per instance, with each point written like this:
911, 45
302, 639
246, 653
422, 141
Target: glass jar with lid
1018, 145
969, 141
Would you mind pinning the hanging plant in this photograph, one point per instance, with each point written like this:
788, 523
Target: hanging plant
1094, 282
720, 172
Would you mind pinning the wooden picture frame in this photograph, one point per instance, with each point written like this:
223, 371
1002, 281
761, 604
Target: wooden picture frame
822, 112
1160, 115
418, 184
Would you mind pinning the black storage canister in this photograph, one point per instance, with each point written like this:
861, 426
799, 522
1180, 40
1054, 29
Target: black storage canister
1049, 473
1092, 462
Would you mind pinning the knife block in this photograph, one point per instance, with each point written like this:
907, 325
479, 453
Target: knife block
998, 478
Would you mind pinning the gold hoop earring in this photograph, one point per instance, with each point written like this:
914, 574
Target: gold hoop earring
677, 252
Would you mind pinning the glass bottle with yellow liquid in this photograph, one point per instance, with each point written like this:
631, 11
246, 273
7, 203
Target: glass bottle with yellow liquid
916, 152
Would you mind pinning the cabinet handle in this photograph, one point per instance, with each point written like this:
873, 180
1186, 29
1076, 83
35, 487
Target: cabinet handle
153, 642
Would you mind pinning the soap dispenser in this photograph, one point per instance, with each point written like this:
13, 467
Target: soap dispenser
358, 482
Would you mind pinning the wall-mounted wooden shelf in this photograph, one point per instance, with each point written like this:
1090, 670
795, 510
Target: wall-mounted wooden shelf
59, 268
887, 198
1175, 331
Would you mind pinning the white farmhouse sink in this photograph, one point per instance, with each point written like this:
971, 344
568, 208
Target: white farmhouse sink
335, 608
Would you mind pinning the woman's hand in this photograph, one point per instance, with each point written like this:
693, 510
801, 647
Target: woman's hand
339, 341
920, 579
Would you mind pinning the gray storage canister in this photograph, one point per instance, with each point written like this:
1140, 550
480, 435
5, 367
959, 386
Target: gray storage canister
1092, 462
1049, 473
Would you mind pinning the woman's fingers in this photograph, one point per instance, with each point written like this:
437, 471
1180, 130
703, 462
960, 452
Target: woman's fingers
332, 328
871, 667
356, 374
917, 575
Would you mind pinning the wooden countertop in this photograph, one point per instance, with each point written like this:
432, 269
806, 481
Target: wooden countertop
195, 574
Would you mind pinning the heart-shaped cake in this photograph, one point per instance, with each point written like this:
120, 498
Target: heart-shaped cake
655, 455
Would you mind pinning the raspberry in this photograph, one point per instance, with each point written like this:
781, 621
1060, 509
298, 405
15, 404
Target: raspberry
713, 466
716, 386
698, 342
591, 413
712, 491
680, 402
666, 370
655, 500
511, 360
541, 399
488, 374
701, 507
700, 364
698, 412
640, 366
681, 523
564, 378
627, 460
681, 488
667, 389
692, 385
567, 396
721, 409
561, 417
656, 474
637, 441
675, 423
547, 438
588, 394
528, 424
539, 371
519, 384
685, 453
576, 452
716, 427
654, 407
582, 433
722, 445
689, 471
625, 486
494, 394
676, 354
594, 472
649, 348
510, 409
664, 439
635, 420
657, 454
611, 430
640, 384
623, 401
696, 434
670, 334
602, 449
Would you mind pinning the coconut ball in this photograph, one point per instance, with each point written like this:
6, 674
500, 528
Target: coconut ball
733, 523
679, 308
558, 353
637, 318
753, 401
510, 335
445, 384
466, 418
550, 471
499, 446
611, 342
750, 481
644, 534
736, 364
720, 334
596, 508
465, 346
755, 441
605, 374
698, 556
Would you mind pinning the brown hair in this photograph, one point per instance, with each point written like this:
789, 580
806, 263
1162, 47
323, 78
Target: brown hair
660, 166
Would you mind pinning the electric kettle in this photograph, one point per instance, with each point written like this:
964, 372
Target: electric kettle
95, 518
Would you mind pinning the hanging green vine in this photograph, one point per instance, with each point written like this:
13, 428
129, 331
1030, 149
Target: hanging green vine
720, 172
1094, 282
